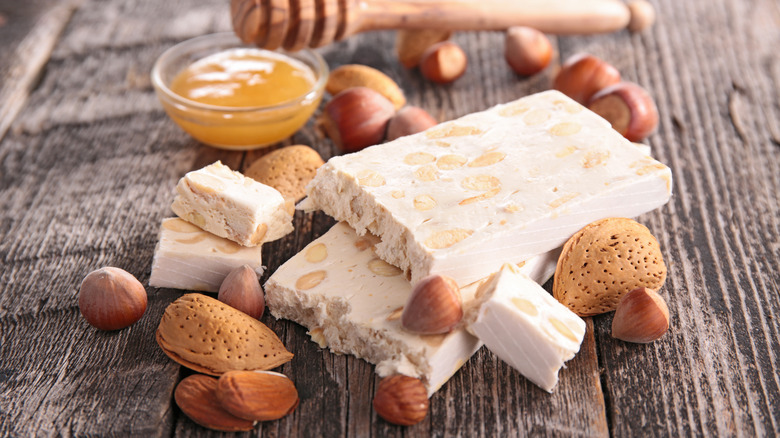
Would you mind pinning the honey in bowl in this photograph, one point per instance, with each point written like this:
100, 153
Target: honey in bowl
238, 97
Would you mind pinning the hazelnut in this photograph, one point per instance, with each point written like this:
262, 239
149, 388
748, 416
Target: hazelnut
642, 15
628, 107
111, 298
582, 75
434, 306
356, 118
401, 400
410, 44
409, 120
443, 62
641, 316
527, 51
241, 290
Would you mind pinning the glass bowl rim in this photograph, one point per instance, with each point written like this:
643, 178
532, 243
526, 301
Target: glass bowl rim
225, 41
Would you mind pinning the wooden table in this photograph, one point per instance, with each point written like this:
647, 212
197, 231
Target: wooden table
88, 163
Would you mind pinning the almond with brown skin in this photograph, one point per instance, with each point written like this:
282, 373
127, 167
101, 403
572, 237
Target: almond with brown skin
196, 396
356, 75
257, 395
401, 400
434, 306
241, 290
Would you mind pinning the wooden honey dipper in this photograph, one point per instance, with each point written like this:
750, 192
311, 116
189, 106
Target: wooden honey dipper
295, 24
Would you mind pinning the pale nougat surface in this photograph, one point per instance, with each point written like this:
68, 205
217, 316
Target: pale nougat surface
351, 301
498, 186
525, 326
230, 205
186, 257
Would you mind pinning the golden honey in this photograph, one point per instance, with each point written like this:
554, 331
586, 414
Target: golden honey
242, 98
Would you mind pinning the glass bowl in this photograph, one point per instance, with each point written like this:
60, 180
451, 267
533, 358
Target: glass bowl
235, 128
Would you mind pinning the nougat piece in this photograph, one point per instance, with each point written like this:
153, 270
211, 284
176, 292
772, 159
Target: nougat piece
502, 185
525, 326
351, 301
230, 205
186, 257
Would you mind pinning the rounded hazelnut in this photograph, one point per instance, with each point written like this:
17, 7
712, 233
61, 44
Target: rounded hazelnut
642, 15
527, 51
443, 62
409, 120
582, 75
410, 44
628, 107
641, 317
434, 307
356, 118
241, 290
401, 400
111, 298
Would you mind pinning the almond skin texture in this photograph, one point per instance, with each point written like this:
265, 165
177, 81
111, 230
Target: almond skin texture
111, 298
401, 400
410, 44
357, 118
641, 317
410, 120
241, 290
443, 62
526, 50
196, 396
605, 260
257, 396
628, 107
583, 75
355, 75
434, 307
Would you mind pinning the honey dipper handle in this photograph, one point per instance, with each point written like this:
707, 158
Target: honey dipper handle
549, 16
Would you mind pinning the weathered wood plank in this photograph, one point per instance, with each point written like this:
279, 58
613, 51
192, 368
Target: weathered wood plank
716, 371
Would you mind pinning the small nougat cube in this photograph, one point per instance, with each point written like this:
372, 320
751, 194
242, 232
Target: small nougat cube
189, 258
525, 326
230, 205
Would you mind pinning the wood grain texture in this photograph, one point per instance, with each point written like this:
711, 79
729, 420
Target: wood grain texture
88, 169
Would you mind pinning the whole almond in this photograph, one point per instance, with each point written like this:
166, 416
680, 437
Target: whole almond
241, 290
401, 400
196, 396
257, 395
410, 44
210, 337
356, 75
641, 317
434, 306
605, 260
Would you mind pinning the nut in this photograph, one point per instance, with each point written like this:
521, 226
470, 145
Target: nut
111, 298
628, 107
241, 290
434, 306
196, 396
355, 75
443, 62
582, 75
527, 51
410, 120
641, 317
257, 395
401, 400
411, 44
642, 15
357, 118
